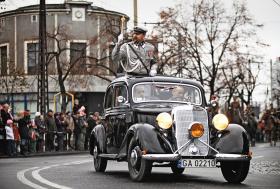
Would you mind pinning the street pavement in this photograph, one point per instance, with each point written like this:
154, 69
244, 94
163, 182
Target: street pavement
76, 171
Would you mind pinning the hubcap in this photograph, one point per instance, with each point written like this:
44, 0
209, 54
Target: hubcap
133, 157
95, 152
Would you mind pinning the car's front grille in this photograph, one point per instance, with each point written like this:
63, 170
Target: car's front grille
183, 117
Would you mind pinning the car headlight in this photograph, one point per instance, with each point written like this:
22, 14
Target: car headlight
196, 129
220, 122
164, 120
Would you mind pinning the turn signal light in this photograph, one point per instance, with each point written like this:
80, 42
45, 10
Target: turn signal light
196, 129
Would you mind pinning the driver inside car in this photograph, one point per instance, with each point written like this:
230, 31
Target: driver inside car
139, 94
178, 94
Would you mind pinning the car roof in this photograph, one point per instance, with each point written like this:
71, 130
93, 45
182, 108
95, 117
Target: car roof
131, 80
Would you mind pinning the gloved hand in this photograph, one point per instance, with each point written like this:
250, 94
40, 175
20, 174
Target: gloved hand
120, 38
153, 73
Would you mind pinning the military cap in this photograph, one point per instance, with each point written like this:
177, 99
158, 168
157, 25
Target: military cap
138, 29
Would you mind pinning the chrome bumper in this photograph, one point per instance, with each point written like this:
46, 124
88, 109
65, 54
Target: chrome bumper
175, 157
162, 157
232, 157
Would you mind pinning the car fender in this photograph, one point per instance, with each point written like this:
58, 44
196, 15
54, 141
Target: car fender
148, 137
98, 134
233, 140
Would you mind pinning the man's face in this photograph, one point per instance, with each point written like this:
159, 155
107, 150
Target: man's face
6, 107
138, 36
178, 92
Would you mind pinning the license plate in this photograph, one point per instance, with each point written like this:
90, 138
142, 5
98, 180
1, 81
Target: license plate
197, 163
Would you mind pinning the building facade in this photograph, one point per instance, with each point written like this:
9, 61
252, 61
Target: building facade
79, 41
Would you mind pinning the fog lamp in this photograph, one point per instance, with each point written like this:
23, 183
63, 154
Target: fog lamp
164, 120
196, 129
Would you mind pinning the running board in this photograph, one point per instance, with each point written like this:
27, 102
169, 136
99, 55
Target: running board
108, 156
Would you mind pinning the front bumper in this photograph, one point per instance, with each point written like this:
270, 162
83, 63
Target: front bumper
175, 157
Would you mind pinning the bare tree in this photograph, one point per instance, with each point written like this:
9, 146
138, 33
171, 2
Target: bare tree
13, 82
81, 64
202, 39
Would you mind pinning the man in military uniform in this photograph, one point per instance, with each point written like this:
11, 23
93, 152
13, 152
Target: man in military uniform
136, 57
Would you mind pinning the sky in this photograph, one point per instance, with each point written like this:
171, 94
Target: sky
266, 12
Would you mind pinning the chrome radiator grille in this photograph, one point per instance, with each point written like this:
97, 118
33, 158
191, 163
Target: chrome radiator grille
183, 117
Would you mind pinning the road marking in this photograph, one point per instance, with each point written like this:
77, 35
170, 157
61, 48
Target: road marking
38, 177
21, 177
257, 157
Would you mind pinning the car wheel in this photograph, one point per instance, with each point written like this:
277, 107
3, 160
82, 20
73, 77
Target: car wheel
235, 172
176, 170
138, 168
100, 163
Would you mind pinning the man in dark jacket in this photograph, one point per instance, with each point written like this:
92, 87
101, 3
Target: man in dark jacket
23, 125
5, 113
61, 125
91, 124
51, 130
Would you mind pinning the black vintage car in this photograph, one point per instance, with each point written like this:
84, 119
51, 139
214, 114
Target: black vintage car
163, 121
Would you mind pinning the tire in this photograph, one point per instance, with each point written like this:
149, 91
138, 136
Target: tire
139, 169
235, 172
100, 163
176, 170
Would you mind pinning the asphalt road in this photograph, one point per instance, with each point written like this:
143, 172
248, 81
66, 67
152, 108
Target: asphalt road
76, 171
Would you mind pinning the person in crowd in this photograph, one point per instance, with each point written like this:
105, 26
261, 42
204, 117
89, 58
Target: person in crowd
84, 125
23, 125
11, 149
51, 130
268, 125
91, 121
97, 118
138, 55
61, 125
76, 106
77, 130
33, 136
80, 128
234, 113
275, 127
2, 134
6, 113
250, 124
41, 128
70, 128
17, 137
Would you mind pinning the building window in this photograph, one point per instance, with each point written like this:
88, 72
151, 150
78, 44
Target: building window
32, 58
78, 53
34, 18
4, 60
2, 22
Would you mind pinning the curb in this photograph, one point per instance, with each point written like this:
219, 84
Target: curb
42, 154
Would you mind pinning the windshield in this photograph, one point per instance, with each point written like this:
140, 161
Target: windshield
166, 92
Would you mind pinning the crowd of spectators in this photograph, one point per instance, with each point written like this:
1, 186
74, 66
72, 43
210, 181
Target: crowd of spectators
21, 134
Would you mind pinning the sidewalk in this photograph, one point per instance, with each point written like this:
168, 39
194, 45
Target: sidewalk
266, 145
41, 154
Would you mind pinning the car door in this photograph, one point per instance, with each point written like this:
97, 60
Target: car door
116, 117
